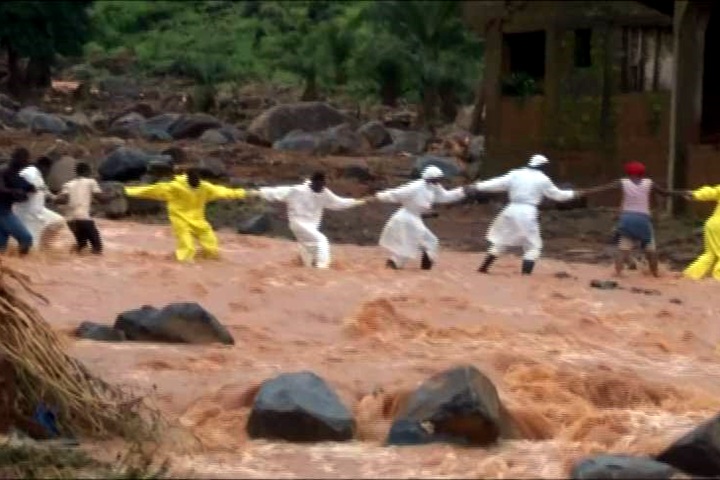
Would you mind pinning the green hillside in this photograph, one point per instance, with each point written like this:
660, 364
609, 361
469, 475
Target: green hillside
382, 51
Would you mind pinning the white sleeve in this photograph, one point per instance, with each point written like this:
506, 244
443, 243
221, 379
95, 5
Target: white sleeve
448, 196
497, 184
33, 176
554, 193
398, 194
334, 202
275, 194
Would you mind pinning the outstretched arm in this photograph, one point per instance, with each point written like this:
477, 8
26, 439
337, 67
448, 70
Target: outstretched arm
554, 193
706, 194
156, 191
449, 196
218, 192
602, 188
398, 194
334, 202
275, 194
497, 184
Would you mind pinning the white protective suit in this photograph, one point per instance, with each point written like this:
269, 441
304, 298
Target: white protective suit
305, 209
517, 224
405, 234
32, 212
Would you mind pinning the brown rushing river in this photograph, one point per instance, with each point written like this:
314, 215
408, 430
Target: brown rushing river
583, 370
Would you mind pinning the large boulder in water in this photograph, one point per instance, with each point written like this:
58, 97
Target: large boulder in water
175, 323
621, 467
193, 125
299, 407
460, 405
274, 124
698, 451
102, 333
125, 164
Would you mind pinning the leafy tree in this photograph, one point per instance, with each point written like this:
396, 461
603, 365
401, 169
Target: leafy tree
38, 30
429, 29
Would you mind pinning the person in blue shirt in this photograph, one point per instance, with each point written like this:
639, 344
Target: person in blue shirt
14, 189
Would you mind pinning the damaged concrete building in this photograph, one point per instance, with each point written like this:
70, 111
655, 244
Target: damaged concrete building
594, 84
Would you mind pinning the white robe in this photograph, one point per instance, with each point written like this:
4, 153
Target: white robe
305, 210
405, 234
517, 224
32, 212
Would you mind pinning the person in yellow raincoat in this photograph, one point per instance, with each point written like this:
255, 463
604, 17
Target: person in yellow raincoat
709, 261
186, 196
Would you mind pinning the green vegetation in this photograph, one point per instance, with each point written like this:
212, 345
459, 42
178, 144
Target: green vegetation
376, 51
39, 31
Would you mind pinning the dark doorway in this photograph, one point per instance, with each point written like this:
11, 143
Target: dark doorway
523, 63
710, 126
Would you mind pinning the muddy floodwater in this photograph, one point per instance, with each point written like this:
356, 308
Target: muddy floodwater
582, 370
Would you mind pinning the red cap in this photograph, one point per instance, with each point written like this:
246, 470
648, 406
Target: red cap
635, 169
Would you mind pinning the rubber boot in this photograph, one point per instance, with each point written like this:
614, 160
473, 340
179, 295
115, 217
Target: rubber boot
489, 260
527, 267
426, 263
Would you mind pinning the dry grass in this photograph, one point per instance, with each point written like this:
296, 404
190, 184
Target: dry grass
83, 404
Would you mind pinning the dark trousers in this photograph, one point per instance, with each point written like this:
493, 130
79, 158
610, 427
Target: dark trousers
11, 226
86, 232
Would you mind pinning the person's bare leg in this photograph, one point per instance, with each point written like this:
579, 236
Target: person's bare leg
621, 258
50, 235
652, 259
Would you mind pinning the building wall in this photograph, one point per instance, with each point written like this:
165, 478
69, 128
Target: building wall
639, 134
582, 121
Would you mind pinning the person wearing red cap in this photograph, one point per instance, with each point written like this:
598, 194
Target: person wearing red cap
635, 224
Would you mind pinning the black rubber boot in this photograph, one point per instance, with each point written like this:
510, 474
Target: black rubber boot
426, 263
391, 264
527, 267
489, 260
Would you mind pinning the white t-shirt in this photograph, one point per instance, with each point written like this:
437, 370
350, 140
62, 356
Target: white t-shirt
80, 193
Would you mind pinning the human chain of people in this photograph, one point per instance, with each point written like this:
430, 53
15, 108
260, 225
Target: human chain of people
25, 217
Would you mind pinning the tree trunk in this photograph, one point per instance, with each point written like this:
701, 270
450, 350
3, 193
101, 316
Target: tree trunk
448, 105
38, 73
389, 93
476, 122
311, 90
428, 107
15, 80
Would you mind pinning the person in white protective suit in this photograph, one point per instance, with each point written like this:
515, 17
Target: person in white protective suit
42, 223
305, 204
517, 224
405, 234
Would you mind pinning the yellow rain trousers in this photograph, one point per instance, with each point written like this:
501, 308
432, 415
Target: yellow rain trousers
709, 261
186, 209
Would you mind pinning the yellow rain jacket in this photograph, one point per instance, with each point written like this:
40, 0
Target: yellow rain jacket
709, 261
186, 209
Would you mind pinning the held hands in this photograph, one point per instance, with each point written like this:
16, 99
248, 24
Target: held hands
252, 195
